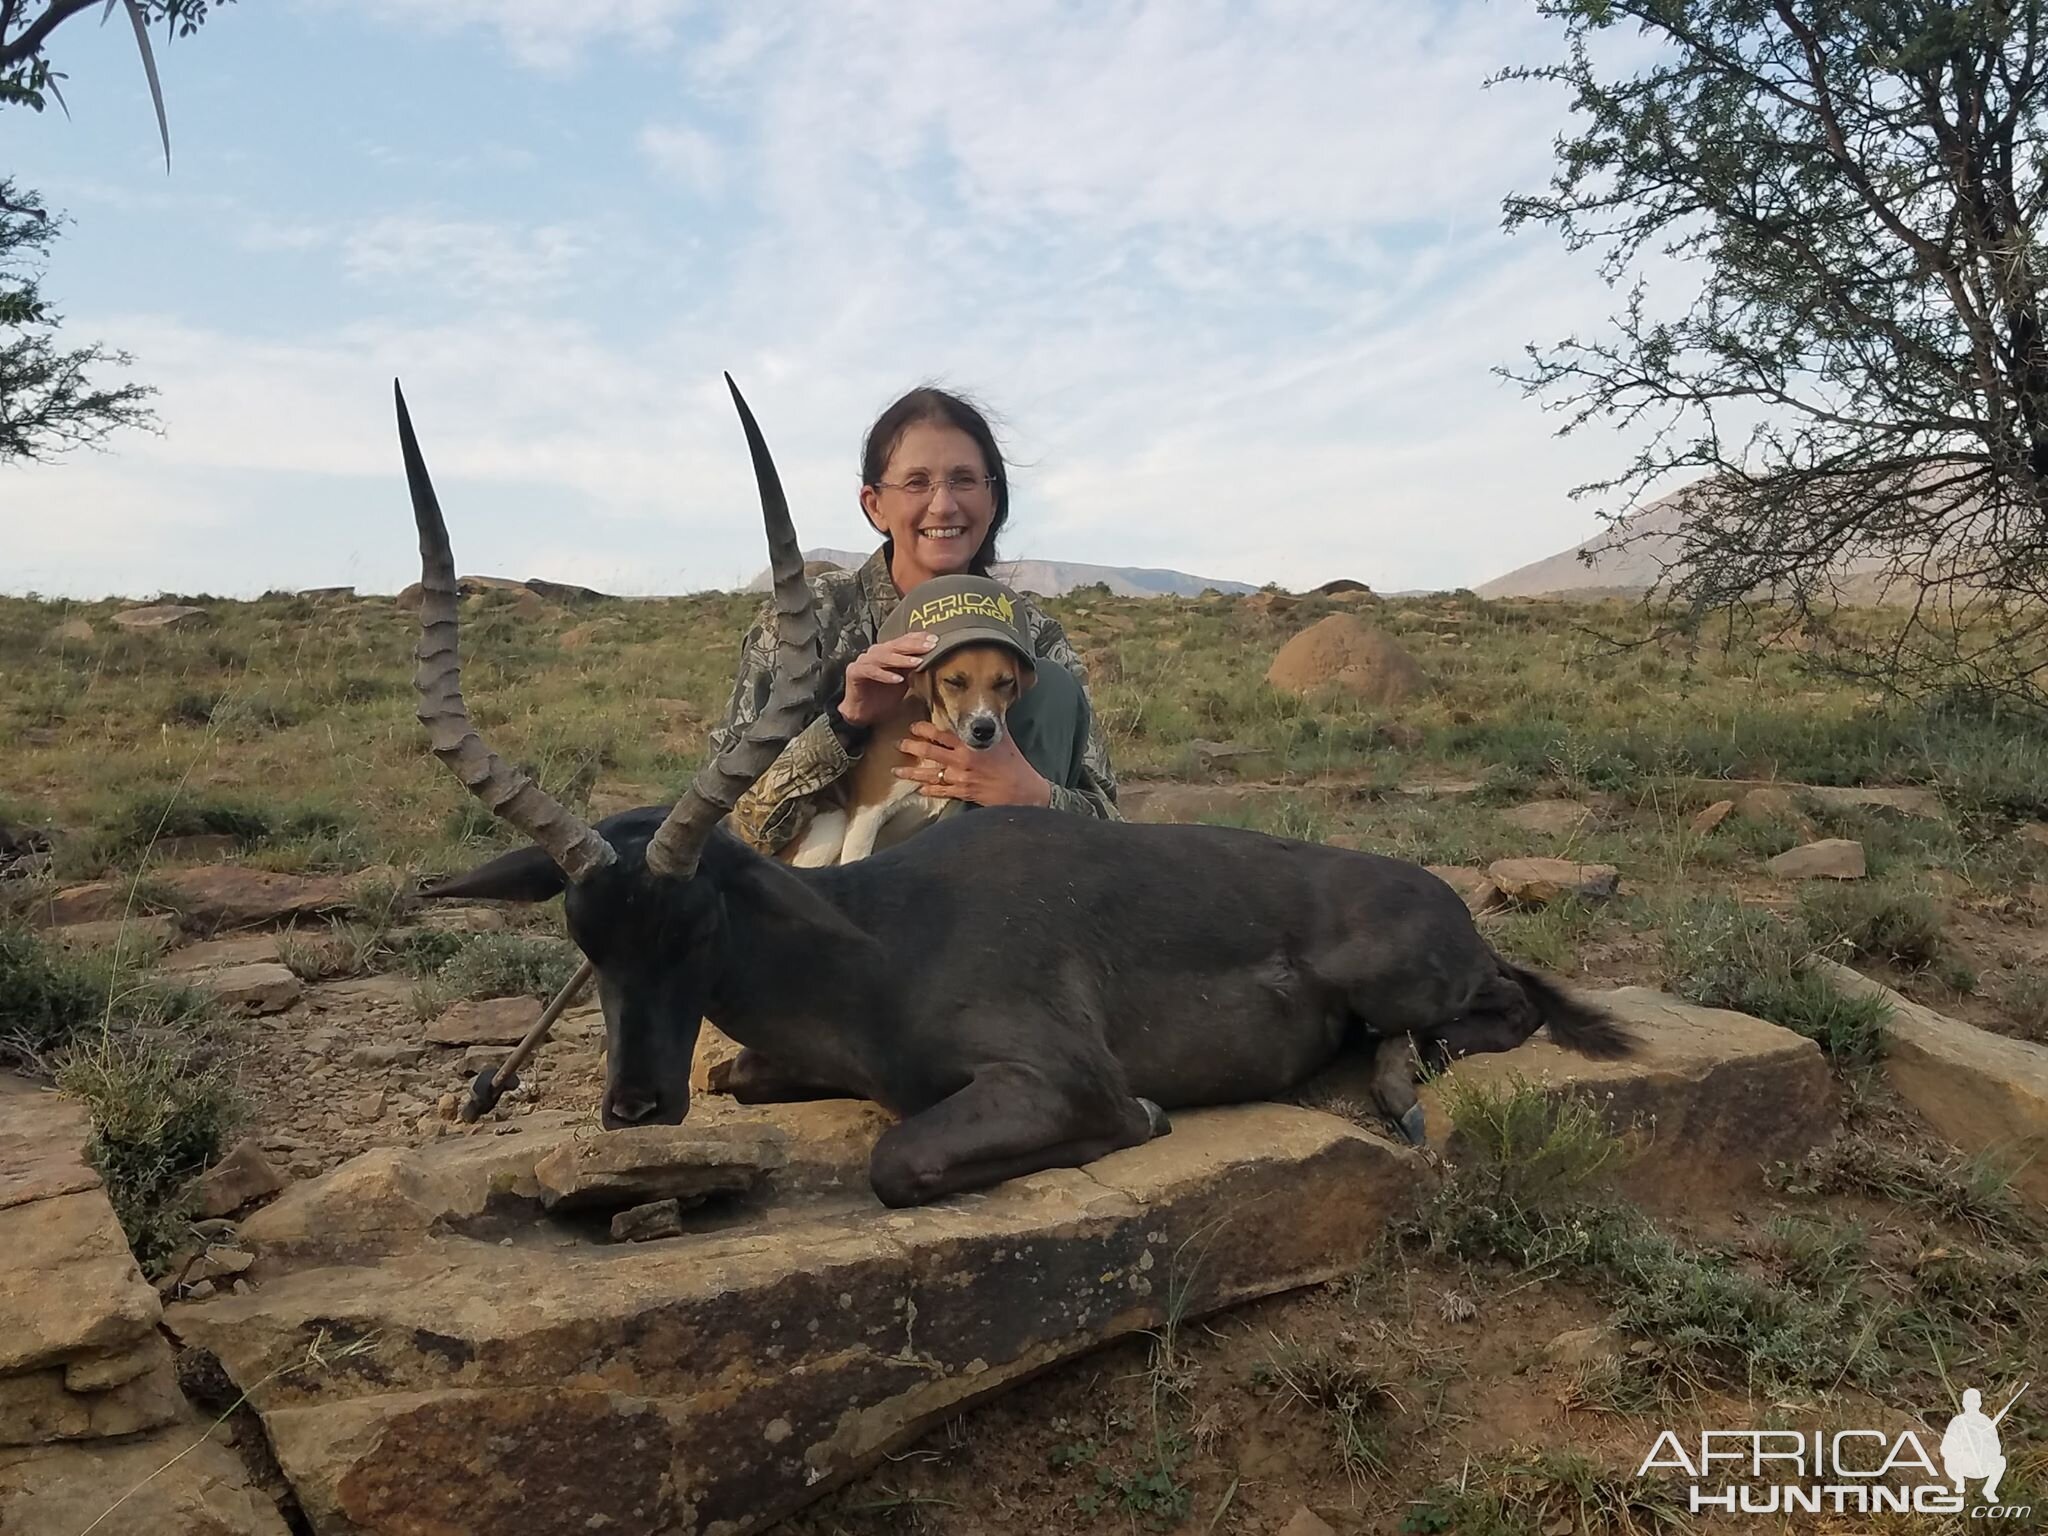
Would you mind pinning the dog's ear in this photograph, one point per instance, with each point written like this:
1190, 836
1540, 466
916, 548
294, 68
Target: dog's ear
921, 685
1027, 678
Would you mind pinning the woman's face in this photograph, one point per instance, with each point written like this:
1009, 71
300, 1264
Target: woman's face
939, 525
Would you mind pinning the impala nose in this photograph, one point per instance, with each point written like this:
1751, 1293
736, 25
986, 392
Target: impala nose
623, 1106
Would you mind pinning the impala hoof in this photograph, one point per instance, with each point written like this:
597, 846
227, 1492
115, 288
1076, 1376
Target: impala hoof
1414, 1126
1155, 1118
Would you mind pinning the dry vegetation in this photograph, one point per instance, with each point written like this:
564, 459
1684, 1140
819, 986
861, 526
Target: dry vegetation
1422, 1396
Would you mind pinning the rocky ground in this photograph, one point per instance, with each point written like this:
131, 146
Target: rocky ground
1815, 1198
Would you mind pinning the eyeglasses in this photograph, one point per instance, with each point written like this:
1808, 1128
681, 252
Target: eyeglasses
922, 487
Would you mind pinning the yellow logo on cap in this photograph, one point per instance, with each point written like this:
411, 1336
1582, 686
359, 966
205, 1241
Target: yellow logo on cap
956, 605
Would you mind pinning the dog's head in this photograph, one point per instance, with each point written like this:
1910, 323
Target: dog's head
970, 689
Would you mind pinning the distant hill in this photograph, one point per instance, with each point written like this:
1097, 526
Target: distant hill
1653, 533
1056, 578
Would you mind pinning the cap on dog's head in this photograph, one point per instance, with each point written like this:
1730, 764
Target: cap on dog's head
959, 610
976, 692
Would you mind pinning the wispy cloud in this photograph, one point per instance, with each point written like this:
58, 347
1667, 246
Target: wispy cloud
1231, 274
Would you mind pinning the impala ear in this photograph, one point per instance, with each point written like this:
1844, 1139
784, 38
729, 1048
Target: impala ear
525, 874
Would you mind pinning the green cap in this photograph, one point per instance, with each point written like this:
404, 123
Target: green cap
960, 610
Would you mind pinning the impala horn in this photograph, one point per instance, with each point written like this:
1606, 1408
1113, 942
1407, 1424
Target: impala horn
510, 794
676, 844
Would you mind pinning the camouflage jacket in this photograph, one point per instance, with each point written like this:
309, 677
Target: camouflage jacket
852, 606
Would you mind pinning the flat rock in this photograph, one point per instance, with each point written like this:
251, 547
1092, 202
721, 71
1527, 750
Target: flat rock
70, 1286
1769, 802
1473, 886
651, 1163
42, 1144
71, 632
359, 992
96, 901
1832, 858
486, 1021
393, 1198
138, 935
171, 1483
158, 616
1712, 817
265, 988
1306, 1522
1773, 799
1539, 882
217, 954
753, 1370
1984, 1093
243, 1175
1550, 818
37, 1407
1708, 1100
236, 896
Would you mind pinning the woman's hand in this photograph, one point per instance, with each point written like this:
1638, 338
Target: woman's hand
947, 769
878, 675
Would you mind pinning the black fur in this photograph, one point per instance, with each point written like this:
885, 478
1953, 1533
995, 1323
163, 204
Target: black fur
1016, 981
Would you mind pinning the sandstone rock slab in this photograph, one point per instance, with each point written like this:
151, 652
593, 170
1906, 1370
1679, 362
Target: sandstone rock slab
218, 954
70, 1286
752, 1371
38, 1407
132, 937
42, 1144
647, 1163
166, 1484
1712, 817
1708, 1100
1984, 1093
486, 1021
1832, 858
95, 901
236, 896
1539, 882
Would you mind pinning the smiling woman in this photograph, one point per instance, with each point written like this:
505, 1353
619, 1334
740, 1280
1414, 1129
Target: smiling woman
934, 486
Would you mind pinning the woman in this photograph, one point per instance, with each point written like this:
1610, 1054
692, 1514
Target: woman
933, 485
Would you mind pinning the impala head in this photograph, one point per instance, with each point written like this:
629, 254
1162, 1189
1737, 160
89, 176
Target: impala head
636, 904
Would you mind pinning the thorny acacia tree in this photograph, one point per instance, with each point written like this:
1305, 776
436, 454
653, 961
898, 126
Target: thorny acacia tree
1861, 380
48, 401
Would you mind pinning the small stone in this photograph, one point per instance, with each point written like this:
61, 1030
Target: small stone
1832, 858
1539, 882
448, 1106
492, 1021
385, 1055
365, 1107
72, 631
1580, 1346
1712, 817
1307, 1522
661, 1218
2035, 832
200, 1290
1769, 804
243, 1175
1231, 757
254, 989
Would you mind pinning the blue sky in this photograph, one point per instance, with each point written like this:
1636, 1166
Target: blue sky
1231, 276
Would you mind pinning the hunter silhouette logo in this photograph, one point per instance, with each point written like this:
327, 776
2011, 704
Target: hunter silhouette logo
1847, 1471
1970, 1449
956, 605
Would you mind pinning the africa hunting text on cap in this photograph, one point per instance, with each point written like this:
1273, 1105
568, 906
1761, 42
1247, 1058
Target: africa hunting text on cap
960, 610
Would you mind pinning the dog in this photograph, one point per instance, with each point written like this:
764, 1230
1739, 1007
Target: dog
965, 684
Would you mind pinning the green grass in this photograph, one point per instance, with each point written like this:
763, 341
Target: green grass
1723, 954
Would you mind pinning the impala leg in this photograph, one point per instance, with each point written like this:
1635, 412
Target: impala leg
1009, 1121
1393, 1086
752, 1078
